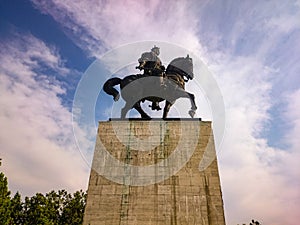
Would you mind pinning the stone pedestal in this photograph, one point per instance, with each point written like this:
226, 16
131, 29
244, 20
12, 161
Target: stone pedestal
123, 194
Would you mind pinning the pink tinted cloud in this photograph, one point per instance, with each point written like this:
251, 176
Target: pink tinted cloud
37, 146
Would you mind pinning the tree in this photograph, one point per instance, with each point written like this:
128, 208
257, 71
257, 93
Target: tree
37, 211
17, 211
74, 208
5, 208
59, 208
53, 208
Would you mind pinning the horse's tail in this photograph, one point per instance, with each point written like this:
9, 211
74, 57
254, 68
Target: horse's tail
108, 87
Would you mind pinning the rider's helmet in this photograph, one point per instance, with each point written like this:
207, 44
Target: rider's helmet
155, 49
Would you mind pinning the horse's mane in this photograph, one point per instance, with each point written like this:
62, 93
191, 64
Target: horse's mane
176, 59
175, 69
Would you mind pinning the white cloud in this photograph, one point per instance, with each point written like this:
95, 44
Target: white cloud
250, 47
257, 179
292, 114
110, 24
37, 144
294, 117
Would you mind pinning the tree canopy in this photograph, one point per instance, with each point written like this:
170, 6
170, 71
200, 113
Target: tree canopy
53, 208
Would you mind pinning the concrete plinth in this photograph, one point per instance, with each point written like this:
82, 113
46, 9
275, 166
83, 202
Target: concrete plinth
147, 186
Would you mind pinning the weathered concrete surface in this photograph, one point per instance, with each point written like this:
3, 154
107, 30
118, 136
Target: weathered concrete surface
189, 196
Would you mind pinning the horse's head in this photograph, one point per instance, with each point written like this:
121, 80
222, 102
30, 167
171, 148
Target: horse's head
183, 65
189, 67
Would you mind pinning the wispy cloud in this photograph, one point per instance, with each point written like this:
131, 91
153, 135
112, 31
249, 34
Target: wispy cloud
251, 47
292, 114
249, 57
36, 138
253, 173
109, 24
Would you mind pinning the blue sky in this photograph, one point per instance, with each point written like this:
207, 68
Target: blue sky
251, 48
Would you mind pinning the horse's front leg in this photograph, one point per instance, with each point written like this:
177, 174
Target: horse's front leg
181, 93
193, 103
167, 109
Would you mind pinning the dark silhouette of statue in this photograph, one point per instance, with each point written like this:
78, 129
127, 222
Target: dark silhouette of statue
151, 63
141, 87
254, 223
152, 66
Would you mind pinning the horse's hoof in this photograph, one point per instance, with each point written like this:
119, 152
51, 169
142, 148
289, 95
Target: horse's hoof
192, 113
116, 98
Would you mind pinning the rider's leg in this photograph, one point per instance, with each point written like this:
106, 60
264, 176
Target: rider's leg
159, 74
162, 82
155, 106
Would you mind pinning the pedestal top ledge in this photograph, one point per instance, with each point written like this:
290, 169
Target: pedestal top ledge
155, 119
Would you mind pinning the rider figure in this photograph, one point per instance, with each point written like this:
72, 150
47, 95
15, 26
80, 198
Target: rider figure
151, 63
152, 66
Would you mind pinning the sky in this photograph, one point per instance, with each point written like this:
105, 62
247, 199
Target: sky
251, 49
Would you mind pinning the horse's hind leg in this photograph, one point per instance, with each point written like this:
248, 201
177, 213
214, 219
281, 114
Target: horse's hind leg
124, 110
167, 109
138, 107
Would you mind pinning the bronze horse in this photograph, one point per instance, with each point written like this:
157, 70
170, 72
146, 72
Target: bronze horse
138, 88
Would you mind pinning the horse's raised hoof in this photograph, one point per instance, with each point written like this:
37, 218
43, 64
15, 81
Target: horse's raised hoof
117, 97
192, 113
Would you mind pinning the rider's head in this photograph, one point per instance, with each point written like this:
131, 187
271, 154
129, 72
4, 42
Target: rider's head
155, 49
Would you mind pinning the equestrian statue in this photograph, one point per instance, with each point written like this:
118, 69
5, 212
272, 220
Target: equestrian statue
156, 84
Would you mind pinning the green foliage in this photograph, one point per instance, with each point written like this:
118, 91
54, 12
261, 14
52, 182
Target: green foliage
53, 208
74, 208
17, 212
5, 204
